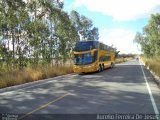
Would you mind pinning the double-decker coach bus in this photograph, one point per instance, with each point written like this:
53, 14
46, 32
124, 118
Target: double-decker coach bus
91, 56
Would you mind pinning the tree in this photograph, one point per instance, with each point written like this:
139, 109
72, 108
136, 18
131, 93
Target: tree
150, 39
38, 31
84, 26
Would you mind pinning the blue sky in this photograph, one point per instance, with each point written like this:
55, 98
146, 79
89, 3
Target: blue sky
117, 20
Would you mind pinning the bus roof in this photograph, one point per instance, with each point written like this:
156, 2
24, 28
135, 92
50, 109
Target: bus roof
88, 45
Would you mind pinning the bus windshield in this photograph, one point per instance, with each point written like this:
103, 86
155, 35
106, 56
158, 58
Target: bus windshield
82, 59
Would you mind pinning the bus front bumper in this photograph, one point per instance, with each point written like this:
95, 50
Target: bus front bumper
84, 68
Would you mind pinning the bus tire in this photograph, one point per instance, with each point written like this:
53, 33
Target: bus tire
99, 68
112, 65
102, 67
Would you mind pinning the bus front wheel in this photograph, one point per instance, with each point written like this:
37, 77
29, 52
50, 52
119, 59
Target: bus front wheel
103, 67
99, 68
112, 65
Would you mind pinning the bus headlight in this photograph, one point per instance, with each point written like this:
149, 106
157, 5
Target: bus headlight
75, 66
88, 66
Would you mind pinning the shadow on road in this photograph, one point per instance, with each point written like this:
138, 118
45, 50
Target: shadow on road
118, 90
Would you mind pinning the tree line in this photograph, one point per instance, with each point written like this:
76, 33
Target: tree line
36, 32
149, 39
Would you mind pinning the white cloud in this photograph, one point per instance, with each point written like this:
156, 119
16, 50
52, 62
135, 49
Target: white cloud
120, 38
121, 10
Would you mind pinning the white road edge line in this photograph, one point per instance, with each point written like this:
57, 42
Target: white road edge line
150, 93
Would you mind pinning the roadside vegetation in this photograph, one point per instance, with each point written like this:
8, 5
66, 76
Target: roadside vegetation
124, 57
149, 41
152, 63
36, 39
120, 60
16, 77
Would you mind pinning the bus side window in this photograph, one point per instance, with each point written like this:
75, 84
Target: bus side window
101, 59
107, 58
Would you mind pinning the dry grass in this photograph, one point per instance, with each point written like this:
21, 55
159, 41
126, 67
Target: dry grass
153, 64
16, 77
120, 60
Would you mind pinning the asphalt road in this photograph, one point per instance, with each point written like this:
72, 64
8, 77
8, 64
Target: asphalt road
128, 88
